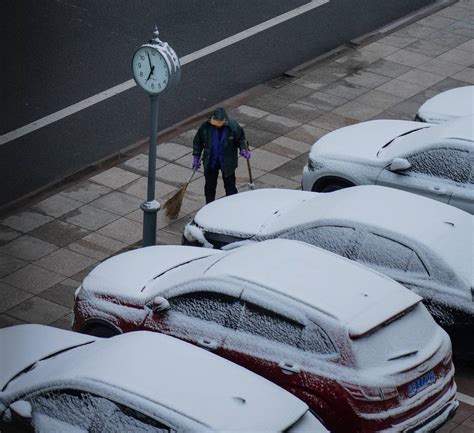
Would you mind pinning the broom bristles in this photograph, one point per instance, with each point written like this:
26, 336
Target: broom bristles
174, 203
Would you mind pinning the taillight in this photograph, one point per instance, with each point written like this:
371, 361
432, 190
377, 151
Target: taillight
447, 359
371, 394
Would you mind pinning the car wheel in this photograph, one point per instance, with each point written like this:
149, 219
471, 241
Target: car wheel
330, 184
101, 331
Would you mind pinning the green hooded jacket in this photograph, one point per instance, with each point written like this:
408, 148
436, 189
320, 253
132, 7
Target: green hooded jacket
235, 140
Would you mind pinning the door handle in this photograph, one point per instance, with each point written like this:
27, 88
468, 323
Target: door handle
438, 190
289, 367
207, 343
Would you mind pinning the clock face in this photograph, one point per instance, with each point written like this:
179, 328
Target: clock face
150, 70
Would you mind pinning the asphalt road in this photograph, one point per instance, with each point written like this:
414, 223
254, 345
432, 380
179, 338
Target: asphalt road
57, 53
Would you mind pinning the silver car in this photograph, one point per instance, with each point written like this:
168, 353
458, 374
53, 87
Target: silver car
436, 161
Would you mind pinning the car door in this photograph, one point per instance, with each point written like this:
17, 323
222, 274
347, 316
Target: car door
434, 173
463, 194
200, 317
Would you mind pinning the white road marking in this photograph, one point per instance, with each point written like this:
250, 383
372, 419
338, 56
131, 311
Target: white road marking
99, 97
465, 398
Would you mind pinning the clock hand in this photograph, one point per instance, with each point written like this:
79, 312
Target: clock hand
150, 74
149, 61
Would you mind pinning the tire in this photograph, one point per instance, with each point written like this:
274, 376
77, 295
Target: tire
101, 331
331, 184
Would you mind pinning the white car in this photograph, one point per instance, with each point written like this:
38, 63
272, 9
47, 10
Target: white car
448, 105
423, 244
338, 335
436, 161
57, 381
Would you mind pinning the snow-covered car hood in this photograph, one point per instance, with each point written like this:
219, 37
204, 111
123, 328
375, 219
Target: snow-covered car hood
448, 105
246, 213
128, 273
23, 345
362, 141
172, 373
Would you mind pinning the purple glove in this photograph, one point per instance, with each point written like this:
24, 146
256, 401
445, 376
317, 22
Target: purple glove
245, 153
196, 162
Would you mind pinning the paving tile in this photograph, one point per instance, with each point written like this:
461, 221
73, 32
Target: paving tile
89, 217
460, 57
408, 58
197, 186
64, 322
81, 275
467, 46
171, 151
25, 221
437, 22
343, 89
177, 227
118, 203
454, 12
416, 30
62, 293
6, 320
292, 92
9, 264
462, 414
123, 230
469, 423
377, 99
331, 121
441, 67
139, 164
429, 48
466, 75
186, 138
269, 102
164, 237
387, 68
397, 41
59, 233
139, 188
286, 146
407, 108
7, 234
11, 296
97, 246
85, 191
258, 137
174, 174
462, 28
38, 310
114, 177
65, 262
364, 57
57, 205
291, 170
33, 279
323, 101
357, 110
448, 39
266, 160
270, 180
380, 48
400, 88
300, 112
448, 83
246, 114
423, 96
367, 79
27, 248
276, 124
421, 78
242, 176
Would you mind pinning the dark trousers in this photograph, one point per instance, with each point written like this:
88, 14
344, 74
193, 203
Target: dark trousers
210, 186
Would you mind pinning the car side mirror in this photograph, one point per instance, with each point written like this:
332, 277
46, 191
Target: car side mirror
399, 164
21, 411
160, 304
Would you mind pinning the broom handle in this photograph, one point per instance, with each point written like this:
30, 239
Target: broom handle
191, 177
248, 165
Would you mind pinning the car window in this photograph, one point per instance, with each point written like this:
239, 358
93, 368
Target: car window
332, 238
379, 251
270, 325
446, 163
316, 340
84, 412
210, 306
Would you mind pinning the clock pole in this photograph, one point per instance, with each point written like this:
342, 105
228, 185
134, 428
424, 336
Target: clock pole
151, 206
161, 77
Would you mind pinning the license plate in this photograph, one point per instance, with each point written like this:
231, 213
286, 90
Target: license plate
421, 383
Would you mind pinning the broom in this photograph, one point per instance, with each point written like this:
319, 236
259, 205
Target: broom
174, 203
251, 184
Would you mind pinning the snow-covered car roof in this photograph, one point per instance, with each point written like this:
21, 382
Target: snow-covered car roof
442, 229
448, 105
162, 369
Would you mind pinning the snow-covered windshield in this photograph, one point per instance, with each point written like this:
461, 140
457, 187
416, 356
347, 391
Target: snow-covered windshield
75, 411
412, 332
397, 138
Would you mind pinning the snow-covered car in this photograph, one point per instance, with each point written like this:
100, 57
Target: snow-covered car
447, 105
360, 349
423, 244
436, 161
57, 381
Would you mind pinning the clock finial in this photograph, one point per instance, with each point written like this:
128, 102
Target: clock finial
156, 40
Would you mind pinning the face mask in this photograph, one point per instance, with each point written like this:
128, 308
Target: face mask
217, 123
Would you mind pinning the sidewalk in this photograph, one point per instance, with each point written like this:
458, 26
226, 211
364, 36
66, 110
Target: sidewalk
49, 246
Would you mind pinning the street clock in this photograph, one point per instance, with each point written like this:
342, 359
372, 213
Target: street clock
155, 66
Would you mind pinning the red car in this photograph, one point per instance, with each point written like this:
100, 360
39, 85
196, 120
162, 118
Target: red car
360, 349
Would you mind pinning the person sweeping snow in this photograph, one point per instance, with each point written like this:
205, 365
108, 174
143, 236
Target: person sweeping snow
219, 140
